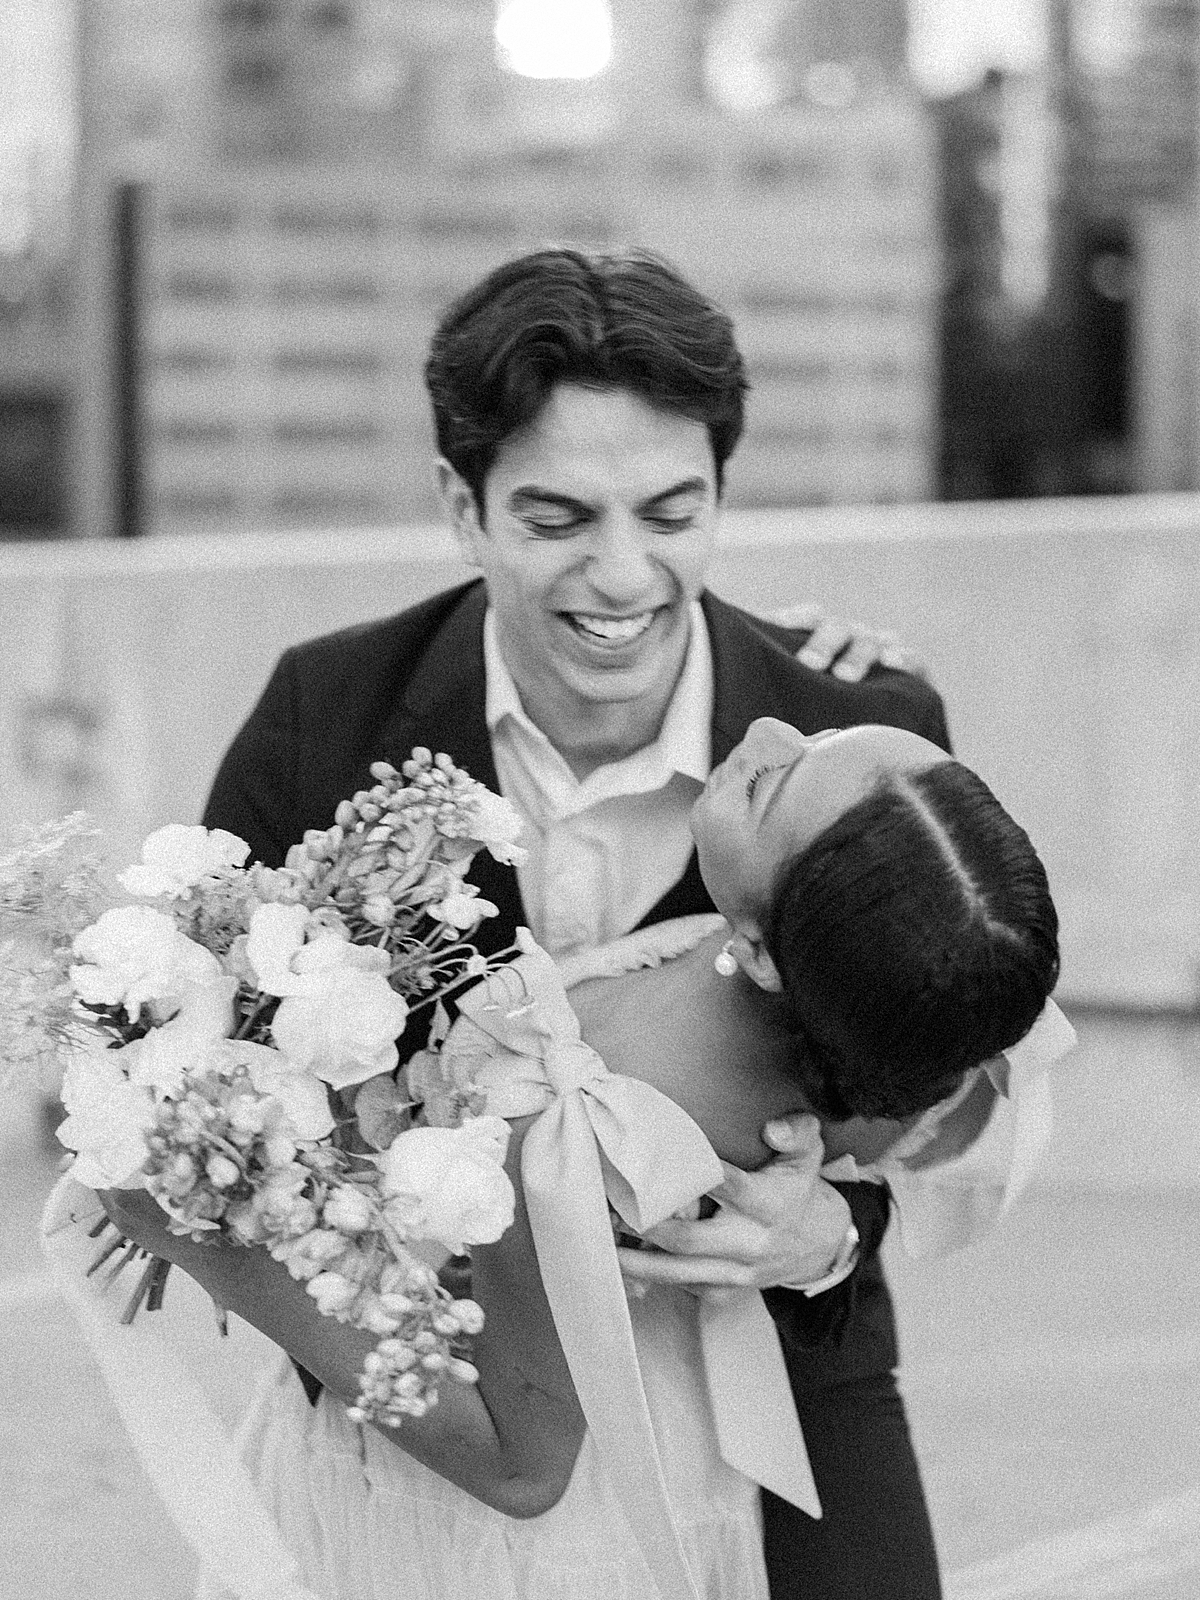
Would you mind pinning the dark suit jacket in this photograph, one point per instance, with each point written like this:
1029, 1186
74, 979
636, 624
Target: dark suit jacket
373, 692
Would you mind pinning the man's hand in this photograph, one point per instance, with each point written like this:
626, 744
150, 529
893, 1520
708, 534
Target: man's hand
847, 649
781, 1225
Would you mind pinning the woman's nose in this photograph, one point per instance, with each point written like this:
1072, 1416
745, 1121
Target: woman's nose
769, 734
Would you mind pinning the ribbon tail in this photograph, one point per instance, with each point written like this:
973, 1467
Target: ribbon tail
568, 1214
183, 1445
757, 1426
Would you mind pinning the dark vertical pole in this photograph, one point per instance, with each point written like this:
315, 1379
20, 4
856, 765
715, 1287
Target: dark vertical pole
127, 375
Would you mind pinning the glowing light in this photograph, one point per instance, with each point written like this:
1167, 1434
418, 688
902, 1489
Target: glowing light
554, 38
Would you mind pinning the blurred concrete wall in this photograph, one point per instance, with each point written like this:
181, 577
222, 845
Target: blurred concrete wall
1064, 635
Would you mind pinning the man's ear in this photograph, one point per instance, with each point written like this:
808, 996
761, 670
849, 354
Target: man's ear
747, 949
461, 508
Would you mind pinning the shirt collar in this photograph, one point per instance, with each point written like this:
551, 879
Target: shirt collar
684, 742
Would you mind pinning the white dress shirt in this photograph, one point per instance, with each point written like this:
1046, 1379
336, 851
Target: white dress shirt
604, 851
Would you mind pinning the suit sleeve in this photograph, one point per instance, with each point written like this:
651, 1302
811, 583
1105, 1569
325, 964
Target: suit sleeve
254, 792
818, 1321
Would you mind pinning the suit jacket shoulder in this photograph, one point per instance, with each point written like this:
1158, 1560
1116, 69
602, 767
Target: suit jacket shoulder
757, 675
326, 714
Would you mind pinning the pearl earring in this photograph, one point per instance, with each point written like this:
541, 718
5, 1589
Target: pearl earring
725, 962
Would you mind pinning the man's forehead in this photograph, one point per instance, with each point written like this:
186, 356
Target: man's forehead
588, 444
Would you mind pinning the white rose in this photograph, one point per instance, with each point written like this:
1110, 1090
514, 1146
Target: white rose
496, 823
289, 948
106, 1123
134, 956
276, 934
301, 1097
175, 858
453, 1181
464, 909
162, 1059
344, 1027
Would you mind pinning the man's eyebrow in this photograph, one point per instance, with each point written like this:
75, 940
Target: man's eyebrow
685, 486
531, 494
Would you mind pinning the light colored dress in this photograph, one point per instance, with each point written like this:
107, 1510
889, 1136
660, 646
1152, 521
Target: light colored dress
653, 1508
315, 1507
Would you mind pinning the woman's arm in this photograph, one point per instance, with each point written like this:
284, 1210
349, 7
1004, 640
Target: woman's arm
510, 1441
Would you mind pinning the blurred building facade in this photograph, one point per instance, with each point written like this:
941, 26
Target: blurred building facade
1069, 338
293, 191
36, 301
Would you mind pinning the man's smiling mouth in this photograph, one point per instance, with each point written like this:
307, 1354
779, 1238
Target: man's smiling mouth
609, 630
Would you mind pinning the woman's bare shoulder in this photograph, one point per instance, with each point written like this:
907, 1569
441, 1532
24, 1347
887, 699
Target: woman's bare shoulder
719, 1052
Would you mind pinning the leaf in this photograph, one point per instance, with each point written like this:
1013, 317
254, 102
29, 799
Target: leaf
383, 1110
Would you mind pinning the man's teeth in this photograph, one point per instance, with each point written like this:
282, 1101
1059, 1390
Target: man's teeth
613, 627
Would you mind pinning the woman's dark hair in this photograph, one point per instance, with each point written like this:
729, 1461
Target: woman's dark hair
614, 321
916, 938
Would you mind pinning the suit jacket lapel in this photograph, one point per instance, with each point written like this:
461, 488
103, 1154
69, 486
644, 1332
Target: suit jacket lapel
445, 708
444, 705
751, 679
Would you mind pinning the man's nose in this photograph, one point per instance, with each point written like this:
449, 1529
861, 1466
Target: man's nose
620, 567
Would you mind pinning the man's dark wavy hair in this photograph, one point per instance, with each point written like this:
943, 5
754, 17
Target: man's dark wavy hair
620, 320
916, 938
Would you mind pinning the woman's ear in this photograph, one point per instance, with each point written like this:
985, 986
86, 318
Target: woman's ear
747, 949
461, 509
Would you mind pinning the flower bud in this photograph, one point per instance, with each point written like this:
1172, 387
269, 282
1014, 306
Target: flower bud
382, 770
399, 1356
222, 1172
396, 1305
376, 1321
469, 1317
346, 815
462, 1371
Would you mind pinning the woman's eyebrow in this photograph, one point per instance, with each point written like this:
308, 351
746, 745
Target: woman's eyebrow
776, 779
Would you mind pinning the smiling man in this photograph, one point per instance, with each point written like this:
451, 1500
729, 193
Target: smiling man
585, 409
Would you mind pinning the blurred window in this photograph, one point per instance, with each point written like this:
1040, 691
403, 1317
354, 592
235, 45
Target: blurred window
197, 431
331, 15
327, 505
253, 75
201, 286
32, 467
327, 291
193, 359
467, 224
248, 14
336, 223
197, 216
196, 501
348, 430
344, 363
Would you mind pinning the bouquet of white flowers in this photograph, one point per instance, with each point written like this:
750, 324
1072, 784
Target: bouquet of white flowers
232, 1049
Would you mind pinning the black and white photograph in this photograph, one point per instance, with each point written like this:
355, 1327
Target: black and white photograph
600, 799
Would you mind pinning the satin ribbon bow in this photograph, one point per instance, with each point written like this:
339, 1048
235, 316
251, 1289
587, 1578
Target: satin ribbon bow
600, 1135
